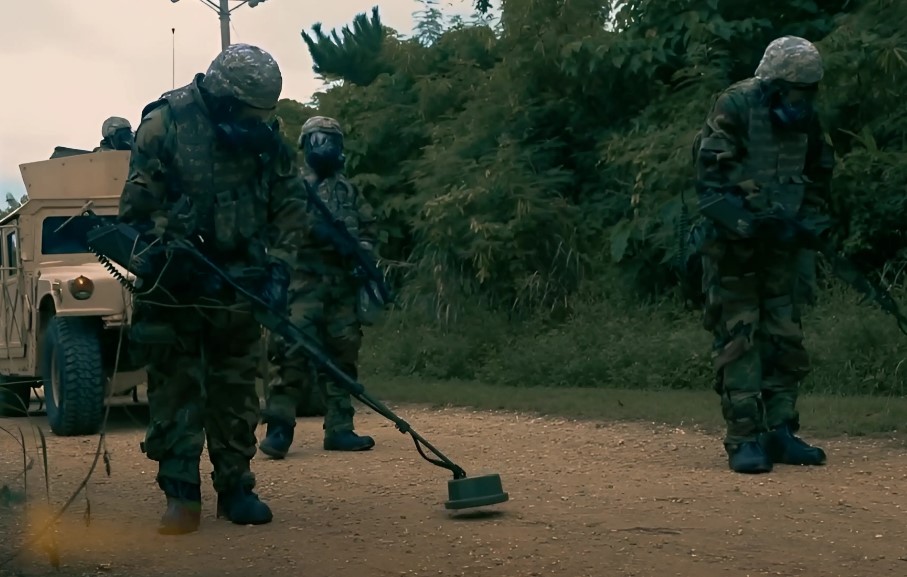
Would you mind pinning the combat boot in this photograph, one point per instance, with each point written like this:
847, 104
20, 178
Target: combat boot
278, 439
786, 448
347, 441
748, 457
242, 506
184, 507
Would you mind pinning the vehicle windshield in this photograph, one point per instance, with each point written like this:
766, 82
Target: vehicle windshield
71, 238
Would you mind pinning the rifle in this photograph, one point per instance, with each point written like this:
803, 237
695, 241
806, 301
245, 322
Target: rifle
118, 242
726, 211
348, 245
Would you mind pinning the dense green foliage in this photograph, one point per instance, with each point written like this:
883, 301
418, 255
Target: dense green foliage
534, 167
511, 162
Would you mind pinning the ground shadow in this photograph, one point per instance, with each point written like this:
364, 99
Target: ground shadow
480, 515
122, 417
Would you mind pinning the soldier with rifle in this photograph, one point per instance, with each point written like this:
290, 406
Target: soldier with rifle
336, 288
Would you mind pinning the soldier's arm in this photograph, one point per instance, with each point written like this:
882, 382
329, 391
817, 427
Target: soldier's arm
287, 214
144, 201
722, 146
819, 168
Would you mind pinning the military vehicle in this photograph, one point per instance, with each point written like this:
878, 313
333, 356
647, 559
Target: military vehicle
62, 313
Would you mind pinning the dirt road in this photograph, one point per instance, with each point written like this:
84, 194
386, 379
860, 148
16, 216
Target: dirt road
587, 499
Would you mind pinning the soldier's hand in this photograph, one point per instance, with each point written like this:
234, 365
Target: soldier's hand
777, 229
275, 291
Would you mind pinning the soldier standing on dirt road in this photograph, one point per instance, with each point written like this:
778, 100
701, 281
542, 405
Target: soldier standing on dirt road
324, 299
762, 146
207, 146
117, 134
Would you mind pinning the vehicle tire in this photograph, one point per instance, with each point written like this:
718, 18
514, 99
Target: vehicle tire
15, 397
73, 375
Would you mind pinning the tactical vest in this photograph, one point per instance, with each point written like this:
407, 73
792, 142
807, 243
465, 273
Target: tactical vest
228, 191
339, 196
775, 158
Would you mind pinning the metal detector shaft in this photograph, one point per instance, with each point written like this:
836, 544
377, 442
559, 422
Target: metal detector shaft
280, 324
122, 244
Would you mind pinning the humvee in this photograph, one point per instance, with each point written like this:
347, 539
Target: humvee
63, 315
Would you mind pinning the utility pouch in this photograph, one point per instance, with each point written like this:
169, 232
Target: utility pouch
226, 220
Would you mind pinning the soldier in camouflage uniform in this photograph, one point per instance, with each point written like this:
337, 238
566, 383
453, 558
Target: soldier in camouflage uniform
116, 134
324, 295
762, 145
206, 147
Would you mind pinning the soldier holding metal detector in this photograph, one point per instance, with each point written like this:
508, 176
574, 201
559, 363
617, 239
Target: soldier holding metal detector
763, 166
210, 173
335, 289
178, 266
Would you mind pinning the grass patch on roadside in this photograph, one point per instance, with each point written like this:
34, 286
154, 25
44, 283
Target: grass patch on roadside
821, 415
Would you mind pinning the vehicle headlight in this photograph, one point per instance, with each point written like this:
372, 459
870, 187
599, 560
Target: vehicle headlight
81, 287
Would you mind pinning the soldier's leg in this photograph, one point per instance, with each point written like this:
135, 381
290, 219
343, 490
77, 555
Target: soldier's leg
786, 363
232, 415
343, 341
282, 396
732, 314
290, 369
175, 437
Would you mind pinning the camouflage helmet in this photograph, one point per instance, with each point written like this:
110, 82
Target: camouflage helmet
791, 59
319, 124
246, 73
112, 124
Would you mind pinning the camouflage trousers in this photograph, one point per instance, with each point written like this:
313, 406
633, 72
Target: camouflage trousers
324, 307
752, 309
201, 385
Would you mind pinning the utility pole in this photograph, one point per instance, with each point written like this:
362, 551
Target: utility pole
224, 14
222, 7
173, 48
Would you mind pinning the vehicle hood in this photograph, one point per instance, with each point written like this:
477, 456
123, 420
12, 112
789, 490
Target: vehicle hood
93, 270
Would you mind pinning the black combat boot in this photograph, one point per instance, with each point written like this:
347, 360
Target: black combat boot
184, 507
748, 457
347, 441
786, 448
242, 506
278, 439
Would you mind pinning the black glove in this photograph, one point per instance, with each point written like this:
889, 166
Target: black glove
275, 290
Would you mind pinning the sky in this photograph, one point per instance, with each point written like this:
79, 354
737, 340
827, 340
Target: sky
70, 64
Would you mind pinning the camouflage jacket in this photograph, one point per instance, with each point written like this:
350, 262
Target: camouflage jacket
313, 255
738, 144
236, 201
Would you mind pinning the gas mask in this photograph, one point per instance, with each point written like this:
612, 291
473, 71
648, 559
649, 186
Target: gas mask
792, 107
243, 134
121, 139
249, 135
324, 153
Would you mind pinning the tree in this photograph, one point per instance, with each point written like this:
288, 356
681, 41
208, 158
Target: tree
516, 166
429, 22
